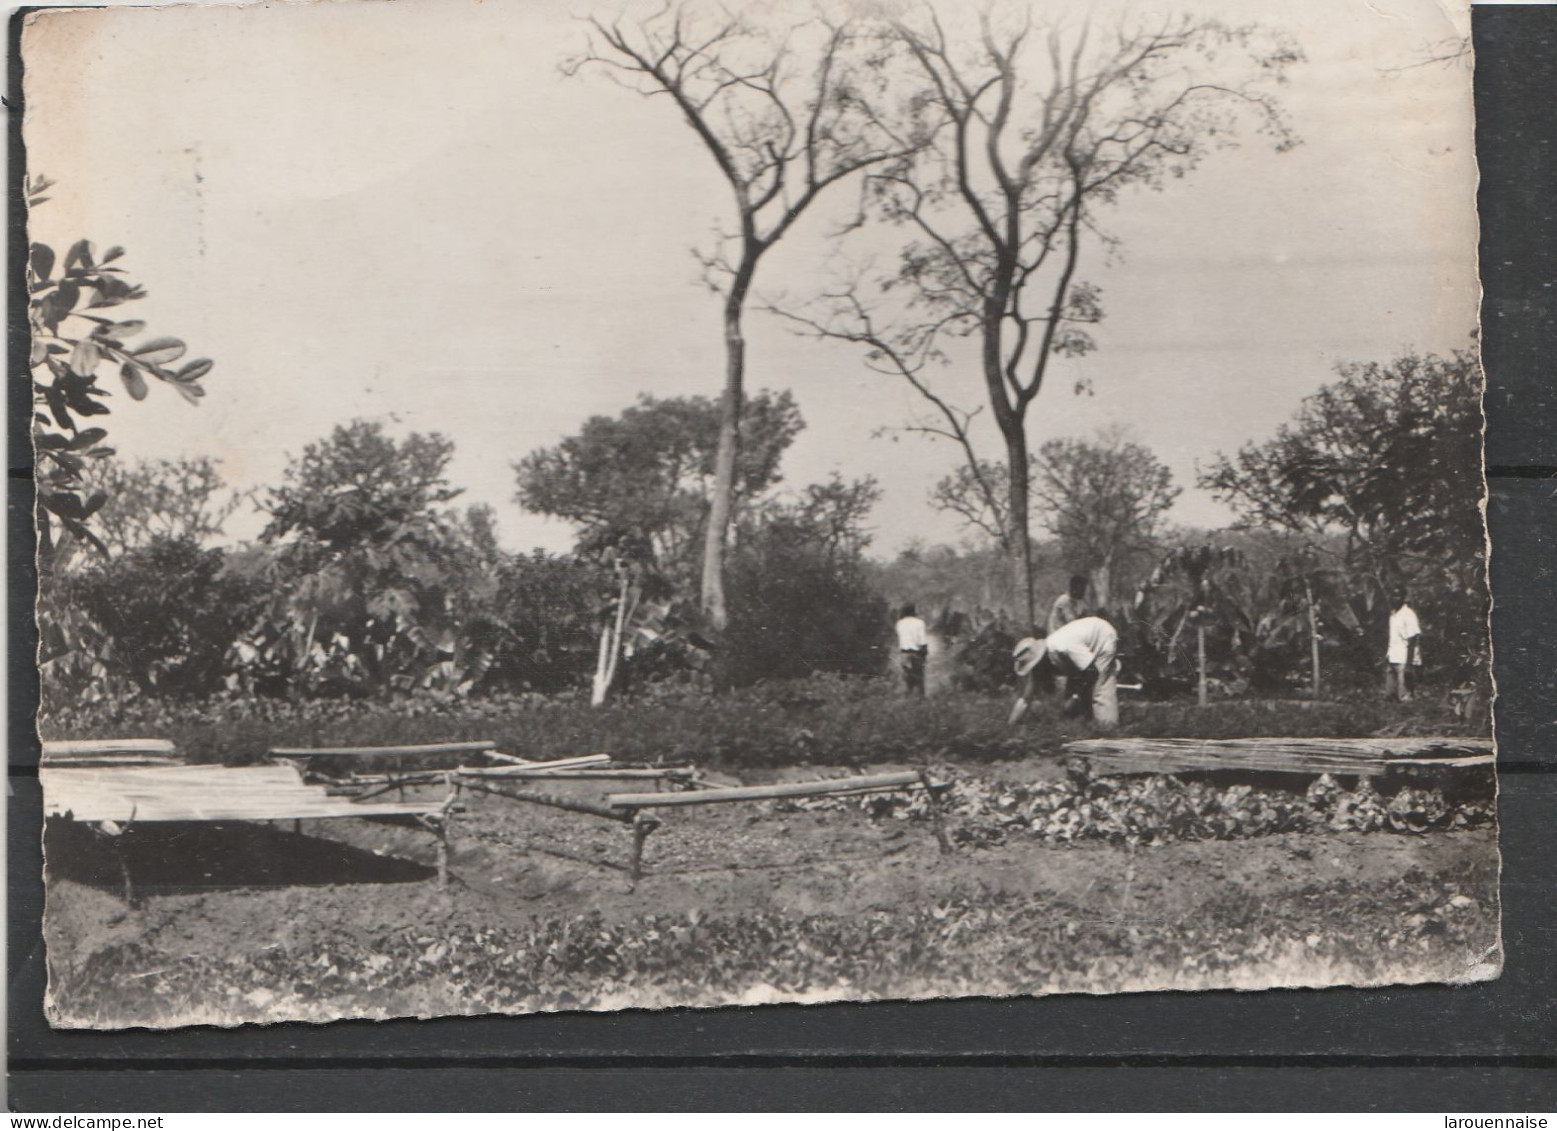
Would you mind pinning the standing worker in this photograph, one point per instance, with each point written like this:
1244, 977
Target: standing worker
1071, 605
913, 644
1086, 653
1404, 647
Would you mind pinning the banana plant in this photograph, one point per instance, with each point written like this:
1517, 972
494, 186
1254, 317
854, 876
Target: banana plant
1202, 571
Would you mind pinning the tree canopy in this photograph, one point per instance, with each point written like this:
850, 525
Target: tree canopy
369, 561
360, 485
170, 611
639, 484
1384, 459
1104, 499
1385, 456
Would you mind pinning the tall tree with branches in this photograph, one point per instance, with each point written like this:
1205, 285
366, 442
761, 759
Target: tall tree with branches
783, 112
1038, 131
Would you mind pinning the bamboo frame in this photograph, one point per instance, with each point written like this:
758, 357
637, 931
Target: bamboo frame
818, 788
559, 768
642, 824
480, 746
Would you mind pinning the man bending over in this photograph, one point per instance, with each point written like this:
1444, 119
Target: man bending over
1086, 653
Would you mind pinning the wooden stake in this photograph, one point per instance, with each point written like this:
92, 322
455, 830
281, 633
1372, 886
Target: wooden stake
445, 827
117, 833
643, 825
124, 871
936, 818
1200, 645
443, 856
1313, 632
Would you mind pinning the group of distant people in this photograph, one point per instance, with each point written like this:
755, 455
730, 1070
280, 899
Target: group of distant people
1080, 651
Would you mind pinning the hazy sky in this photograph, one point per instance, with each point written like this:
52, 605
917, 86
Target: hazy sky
405, 211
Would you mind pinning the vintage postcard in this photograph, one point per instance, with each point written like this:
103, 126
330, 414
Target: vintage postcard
586, 505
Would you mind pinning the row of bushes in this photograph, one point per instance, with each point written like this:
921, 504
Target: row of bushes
170, 620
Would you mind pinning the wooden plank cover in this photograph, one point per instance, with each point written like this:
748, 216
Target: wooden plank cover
1359, 756
111, 751
202, 793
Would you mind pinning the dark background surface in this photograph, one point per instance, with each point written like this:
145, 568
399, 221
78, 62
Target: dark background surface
1482, 1048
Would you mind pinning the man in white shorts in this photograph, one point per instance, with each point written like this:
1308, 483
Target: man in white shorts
1403, 660
1086, 653
913, 643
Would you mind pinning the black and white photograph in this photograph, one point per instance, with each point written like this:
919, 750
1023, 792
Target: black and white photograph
585, 505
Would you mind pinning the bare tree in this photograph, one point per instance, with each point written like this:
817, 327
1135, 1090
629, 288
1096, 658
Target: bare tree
783, 113
1036, 133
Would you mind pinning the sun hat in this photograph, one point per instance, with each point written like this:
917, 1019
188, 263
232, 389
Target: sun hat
1027, 653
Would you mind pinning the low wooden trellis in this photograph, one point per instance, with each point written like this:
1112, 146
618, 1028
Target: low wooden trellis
631, 805
675, 786
485, 779
113, 784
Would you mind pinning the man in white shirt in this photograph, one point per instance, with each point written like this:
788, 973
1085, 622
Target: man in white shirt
913, 645
1086, 653
1070, 605
1404, 646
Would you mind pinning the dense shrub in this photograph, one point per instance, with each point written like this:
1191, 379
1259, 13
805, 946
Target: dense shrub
541, 625
158, 618
799, 605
